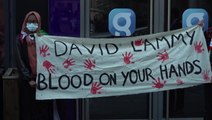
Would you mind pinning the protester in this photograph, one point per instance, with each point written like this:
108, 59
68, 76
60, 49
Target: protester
30, 108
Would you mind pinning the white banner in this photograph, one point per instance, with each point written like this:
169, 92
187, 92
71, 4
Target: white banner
71, 68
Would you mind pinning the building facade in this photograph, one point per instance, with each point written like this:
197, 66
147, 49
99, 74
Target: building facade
89, 18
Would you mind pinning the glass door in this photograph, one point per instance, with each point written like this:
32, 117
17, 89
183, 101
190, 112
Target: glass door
119, 107
191, 103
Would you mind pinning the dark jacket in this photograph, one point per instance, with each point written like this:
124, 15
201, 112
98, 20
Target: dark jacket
22, 60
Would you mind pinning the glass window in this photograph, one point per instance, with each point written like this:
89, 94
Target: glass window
100, 9
64, 17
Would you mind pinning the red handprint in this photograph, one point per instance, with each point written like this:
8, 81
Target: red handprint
68, 62
205, 75
198, 47
158, 84
49, 66
89, 64
127, 58
179, 82
95, 88
163, 56
139, 42
43, 50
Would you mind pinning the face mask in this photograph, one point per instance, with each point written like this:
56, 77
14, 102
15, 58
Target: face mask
32, 27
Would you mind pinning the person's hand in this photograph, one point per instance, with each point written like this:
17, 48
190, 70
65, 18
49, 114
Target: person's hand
39, 35
30, 39
32, 83
201, 23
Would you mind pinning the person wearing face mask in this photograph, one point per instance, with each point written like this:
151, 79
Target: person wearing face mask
30, 108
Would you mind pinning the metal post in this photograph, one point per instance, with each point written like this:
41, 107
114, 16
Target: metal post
151, 31
168, 28
158, 27
84, 32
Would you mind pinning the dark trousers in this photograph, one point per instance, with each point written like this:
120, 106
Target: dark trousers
31, 109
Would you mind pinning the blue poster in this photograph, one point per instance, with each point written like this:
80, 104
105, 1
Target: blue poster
64, 17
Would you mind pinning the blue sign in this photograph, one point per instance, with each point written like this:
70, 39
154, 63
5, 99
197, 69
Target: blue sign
121, 22
194, 16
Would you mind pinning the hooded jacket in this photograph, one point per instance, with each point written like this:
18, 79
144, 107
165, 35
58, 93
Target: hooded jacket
26, 49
